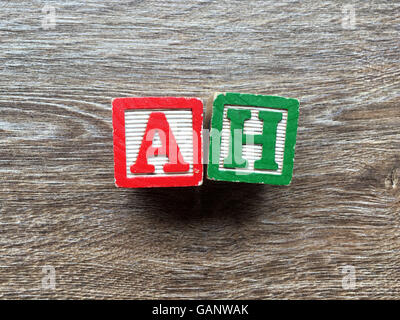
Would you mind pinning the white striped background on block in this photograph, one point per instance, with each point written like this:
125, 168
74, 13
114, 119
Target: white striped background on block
180, 122
252, 153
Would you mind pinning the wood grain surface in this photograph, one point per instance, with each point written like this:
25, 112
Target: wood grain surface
58, 203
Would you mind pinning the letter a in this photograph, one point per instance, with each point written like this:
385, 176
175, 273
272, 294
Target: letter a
158, 122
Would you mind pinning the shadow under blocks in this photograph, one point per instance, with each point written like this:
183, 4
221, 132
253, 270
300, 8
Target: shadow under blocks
212, 200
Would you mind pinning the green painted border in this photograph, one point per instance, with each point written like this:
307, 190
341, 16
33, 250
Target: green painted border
291, 105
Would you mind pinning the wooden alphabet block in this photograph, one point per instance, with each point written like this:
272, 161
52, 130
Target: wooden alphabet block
157, 142
252, 138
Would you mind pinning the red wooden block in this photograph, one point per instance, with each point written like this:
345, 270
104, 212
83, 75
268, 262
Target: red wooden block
157, 142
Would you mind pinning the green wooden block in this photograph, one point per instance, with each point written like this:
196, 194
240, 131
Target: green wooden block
252, 138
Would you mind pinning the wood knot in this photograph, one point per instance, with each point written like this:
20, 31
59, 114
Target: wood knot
392, 179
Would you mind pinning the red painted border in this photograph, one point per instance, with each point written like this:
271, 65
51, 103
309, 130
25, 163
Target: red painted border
119, 105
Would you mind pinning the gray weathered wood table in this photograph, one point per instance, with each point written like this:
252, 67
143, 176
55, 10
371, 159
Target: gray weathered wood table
334, 233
